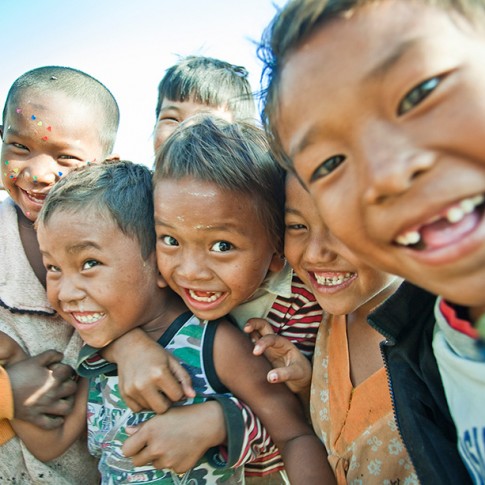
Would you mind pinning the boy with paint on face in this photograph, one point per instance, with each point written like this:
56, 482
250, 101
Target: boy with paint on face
54, 120
105, 282
222, 165
198, 84
378, 107
350, 403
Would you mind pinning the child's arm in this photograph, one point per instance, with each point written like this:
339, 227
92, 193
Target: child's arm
149, 376
47, 445
289, 364
280, 411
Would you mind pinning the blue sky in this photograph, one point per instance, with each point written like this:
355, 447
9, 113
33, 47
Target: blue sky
127, 45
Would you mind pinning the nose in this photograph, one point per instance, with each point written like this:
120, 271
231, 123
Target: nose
319, 248
391, 162
193, 266
44, 170
70, 291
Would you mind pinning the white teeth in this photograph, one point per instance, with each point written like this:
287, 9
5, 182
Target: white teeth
91, 318
408, 238
333, 280
453, 215
205, 299
36, 197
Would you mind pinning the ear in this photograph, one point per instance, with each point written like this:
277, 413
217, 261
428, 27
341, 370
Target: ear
161, 281
277, 262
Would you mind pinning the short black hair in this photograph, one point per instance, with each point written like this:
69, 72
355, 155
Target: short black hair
121, 190
208, 81
77, 85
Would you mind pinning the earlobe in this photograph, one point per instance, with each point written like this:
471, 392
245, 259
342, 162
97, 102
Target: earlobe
161, 281
277, 262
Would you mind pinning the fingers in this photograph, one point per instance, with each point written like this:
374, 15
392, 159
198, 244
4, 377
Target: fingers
183, 377
48, 422
48, 358
152, 399
62, 372
259, 325
285, 374
266, 342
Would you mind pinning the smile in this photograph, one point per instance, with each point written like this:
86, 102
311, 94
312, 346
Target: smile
204, 296
35, 197
88, 317
328, 279
461, 218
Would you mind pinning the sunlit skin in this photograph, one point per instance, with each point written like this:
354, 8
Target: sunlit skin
36, 153
172, 113
97, 279
341, 282
383, 115
212, 248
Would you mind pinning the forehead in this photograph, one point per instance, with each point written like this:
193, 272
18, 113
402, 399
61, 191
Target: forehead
191, 106
330, 70
203, 205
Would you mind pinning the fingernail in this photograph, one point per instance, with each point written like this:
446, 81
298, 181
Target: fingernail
273, 377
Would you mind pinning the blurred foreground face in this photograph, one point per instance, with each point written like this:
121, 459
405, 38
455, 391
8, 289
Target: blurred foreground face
383, 114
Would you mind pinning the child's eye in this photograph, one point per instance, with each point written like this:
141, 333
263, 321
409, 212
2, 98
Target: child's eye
53, 269
417, 94
295, 227
69, 160
20, 146
90, 263
170, 241
326, 167
221, 246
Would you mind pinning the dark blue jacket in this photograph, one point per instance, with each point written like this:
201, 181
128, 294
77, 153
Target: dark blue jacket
407, 320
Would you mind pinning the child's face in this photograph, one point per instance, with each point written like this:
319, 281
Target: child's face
97, 279
43, 140
211, 246
340, 281
383, 114
172, 113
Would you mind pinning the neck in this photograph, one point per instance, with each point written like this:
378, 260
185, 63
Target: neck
168, 308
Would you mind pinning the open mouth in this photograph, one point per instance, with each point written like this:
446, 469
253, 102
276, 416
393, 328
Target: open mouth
87, 317
332, 279
204, 296
455, 222
35, 197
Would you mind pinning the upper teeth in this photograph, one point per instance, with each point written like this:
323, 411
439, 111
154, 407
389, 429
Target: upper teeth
207, 299
453, 214
332, 280
91, 318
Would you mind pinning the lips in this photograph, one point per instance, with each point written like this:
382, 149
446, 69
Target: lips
332, 278
445, 228
35, 197
87, 318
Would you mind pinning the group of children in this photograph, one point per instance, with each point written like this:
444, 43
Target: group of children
122, 290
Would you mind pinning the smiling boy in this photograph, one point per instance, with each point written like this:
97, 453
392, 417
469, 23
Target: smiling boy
378, 107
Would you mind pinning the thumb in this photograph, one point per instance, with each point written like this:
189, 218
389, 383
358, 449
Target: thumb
48, 358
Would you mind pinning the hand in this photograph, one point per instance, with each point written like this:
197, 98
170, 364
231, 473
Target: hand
178, 438
43, 389
150, 377
289, 364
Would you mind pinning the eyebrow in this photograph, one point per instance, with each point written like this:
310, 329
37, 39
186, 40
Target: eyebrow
225, 227
79, 247
391, 59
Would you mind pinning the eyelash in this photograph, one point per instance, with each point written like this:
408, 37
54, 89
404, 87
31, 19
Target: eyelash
229, 246
417, 94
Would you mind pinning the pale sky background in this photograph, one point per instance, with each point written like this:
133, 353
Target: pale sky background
127, 45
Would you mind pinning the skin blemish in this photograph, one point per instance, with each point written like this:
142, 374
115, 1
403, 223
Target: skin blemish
49, 128
19, 110
45, 138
